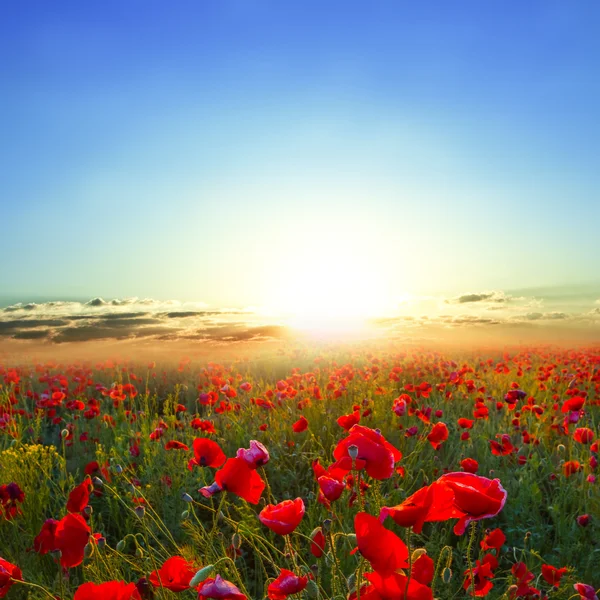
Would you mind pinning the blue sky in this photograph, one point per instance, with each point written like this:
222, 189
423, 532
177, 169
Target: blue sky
235, 152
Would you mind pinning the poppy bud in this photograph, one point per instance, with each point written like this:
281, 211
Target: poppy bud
56, 554
140, 511
351, 582
64, 434
312, 591
417, 554
118, 469
447, 575
121, 546
351, 537
132, 488
186, 497
201, 575
327, 525
97, 482
139, 552
512, 591
101, 542
560, 448
185, 514
87, 510
527, 535
353, 451
88, 550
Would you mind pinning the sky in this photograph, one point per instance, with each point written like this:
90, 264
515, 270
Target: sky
299, 156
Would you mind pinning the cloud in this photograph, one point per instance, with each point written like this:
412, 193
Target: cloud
481, 297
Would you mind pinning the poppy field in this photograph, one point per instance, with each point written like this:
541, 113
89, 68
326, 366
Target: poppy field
335, 473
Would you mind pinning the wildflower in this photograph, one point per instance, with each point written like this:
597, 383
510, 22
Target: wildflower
219, 588
285, 585
207, 453
256, 456
284, 517
175, 574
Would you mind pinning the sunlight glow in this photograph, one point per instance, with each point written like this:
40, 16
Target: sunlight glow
331, 286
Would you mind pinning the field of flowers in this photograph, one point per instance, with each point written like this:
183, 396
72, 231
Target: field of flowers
334, 474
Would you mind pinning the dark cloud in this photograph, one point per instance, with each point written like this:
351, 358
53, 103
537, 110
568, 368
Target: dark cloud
18, 324
482, 297
90, 332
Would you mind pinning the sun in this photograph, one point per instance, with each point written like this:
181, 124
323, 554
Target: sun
329, 287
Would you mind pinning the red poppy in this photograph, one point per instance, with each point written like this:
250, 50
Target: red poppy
317, 543
381, 547
71, 536
574, 404
465, 423
11, 495
502, 449
474, 496
583, 435
238, 478
175, 445
175, 574
552, 575
438, 435
469, 465
285, 585
79, 497
284, 517
571, 467
219, 588
331, 488
207, 453
8, 572
482, 574
111, 590
45, 541
300, 425
256, 456
378, 454
493, 540
430, 503
348, 421
423, 569
586, 592
393, 587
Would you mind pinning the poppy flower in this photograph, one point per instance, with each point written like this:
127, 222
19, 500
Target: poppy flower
348, 421
175, 574
284, 517
379, 455
430, 503
571, 467
317, 543
394, 587
79, 497
300, 425
586, 592
502, 449
8, 572
45, 542
469, 465
219, 588
285, 585
238, 478
255, 456
71, 536
438, 435
331, 488
465, 423
11, 495
207, 453
482, 574
583, 435
110, 590
381, 547
493, 540
475, 496
423, 569
574, 404
552, 575
175, 445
